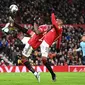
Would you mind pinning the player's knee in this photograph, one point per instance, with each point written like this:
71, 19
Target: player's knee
27, 51
44, 60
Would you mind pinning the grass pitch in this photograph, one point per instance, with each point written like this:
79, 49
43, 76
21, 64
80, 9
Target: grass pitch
63, 78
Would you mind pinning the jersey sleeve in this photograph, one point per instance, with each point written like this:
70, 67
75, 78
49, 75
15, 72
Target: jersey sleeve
58, 42
29, 32
53, 20
79, 49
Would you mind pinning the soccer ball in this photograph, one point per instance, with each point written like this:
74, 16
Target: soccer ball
6, 30
13, 8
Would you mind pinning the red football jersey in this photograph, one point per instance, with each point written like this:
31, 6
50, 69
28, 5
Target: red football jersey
54, 33
34, 41
51, 36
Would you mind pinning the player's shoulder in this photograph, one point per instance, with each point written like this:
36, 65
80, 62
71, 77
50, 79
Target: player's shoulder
82, 43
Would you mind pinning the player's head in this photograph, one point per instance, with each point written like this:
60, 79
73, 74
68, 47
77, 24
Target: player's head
59, 21
83, 38
13, 8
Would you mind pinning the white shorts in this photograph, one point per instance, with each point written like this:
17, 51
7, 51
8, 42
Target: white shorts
25, 40
27, 50
44, 49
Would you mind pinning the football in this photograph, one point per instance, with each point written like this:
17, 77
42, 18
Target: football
13, 8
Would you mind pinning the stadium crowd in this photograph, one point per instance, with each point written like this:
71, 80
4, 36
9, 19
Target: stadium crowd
70, 11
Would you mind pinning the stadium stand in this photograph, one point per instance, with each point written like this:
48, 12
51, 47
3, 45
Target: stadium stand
70, 11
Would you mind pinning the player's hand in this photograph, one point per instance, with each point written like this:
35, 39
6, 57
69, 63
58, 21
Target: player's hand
74, 50
6, 30
36, 20
52, 10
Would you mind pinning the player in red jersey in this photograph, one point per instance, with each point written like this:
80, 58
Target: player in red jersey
33, 43
53, 35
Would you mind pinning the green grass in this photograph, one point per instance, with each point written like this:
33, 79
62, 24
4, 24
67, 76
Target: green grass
29, 79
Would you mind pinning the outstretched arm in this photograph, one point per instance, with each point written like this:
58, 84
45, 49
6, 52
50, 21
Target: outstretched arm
76, 50
20, 28
36, 29
5, 28
53, 20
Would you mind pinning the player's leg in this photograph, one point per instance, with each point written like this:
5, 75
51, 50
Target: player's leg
26, 53
44, 51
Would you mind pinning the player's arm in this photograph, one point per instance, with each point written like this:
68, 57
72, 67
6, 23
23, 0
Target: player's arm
30, 32
49, 28
5, 28
76, 50
54, 22
58, 42
20, 28
79, 49
36, 29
